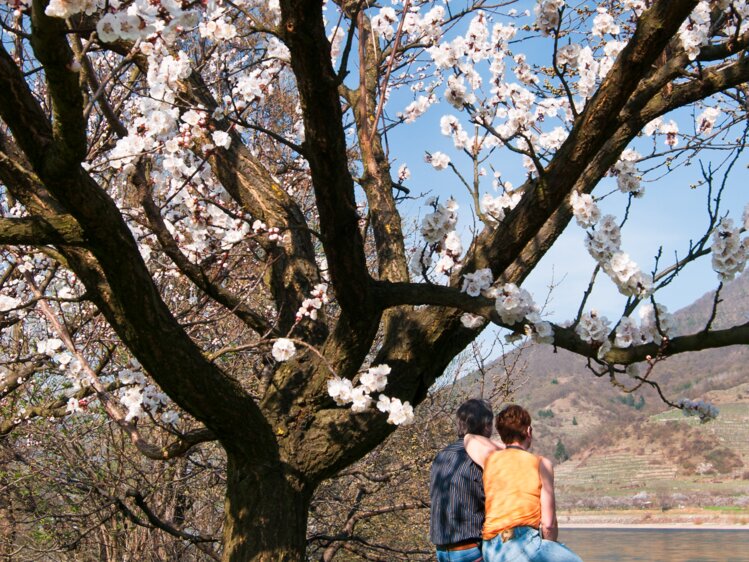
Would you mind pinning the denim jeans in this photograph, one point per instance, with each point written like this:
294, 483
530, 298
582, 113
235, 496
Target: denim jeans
468, 555
527, 546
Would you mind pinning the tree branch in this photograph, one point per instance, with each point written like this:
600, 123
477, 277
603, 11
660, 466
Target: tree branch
37, 231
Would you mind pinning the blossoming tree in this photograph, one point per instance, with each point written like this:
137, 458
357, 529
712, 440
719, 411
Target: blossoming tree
203, 232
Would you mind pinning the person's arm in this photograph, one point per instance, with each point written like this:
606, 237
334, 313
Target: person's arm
479, 447
549, 527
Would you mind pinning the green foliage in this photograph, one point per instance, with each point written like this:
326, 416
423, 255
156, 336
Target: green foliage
548, 413
574, 420
554, 381
561, 454
629, 400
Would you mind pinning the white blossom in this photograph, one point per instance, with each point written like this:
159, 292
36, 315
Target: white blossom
604, 24
382, 23
627, 333
728, 250
584, 209
695, 31
73, 406
649, 327
401, 413
513, 303
496, 207
476, 282
283, 349
704, 410
628, 179
472, 321
49, 346
360, 399
9, 303
706, 120
547, 15
170, 417
605, 241
439, 160
592, 328
375, 379
340, 390
221, 138
671, 130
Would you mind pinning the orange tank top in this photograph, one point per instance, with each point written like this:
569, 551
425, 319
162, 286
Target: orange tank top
512, 484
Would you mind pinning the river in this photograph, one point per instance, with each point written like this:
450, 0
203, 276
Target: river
658, 545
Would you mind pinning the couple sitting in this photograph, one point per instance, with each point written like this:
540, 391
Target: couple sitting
510, 504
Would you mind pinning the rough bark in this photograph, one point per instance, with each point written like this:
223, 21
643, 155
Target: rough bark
265, 513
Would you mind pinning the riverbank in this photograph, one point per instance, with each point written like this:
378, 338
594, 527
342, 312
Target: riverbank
684, 518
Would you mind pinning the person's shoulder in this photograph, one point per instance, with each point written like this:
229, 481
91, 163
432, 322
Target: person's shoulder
455, 448
545, 463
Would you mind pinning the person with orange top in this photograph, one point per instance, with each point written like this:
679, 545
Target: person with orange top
521, 521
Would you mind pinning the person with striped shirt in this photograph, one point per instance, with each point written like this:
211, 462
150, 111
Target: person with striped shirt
457, 492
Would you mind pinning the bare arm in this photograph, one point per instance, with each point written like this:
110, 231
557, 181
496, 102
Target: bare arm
548, 503
479, 447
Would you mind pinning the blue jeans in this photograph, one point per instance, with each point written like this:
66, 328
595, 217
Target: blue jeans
468, 555
527, 546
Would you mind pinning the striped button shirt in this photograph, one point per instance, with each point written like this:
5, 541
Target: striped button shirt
457, 493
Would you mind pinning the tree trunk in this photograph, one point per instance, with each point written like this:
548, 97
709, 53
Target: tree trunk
265, 513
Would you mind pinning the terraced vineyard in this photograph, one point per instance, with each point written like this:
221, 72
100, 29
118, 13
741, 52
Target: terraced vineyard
731, 428
619, 473
644, 472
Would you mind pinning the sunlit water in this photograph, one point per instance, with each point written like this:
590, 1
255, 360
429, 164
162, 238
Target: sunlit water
658, 545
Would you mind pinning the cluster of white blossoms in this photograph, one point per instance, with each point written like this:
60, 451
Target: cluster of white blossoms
438, 230
604, 24
592, 327
704, 410
426, 27
652, 329
584, 209
140, 398
477, 282
626, 274
729, 252
283, 349
514, 304
629, 333
547, 15
628, 179
417, 108
439, 160
450, 126
706, 120
273, 233
311, 306
472, 321
603, 244
695, 31
496, 207
436, 225
373, 380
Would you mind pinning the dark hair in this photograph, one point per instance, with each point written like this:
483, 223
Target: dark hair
513, 423
475, 416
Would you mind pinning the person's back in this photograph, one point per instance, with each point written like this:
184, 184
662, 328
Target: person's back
457, 492
512, 484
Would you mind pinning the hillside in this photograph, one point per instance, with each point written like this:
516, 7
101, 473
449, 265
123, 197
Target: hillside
626, 449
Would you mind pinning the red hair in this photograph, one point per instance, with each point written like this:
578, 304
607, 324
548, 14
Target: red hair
513, 423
